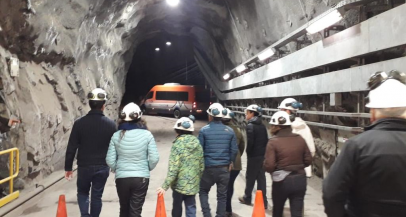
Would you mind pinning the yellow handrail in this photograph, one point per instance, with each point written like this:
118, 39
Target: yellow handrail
13, 195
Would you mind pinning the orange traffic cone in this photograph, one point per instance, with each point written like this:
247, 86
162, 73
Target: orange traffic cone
61, 212
160, 207
259, 208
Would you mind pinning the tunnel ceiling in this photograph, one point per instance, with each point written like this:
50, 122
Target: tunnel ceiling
67, 47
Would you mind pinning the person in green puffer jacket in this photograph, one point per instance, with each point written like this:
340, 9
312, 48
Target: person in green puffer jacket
186, 165
237, 165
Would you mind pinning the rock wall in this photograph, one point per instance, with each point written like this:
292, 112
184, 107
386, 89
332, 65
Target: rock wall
66, 48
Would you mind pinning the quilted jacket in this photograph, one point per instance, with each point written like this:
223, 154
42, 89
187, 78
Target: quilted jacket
219, 144
133, 155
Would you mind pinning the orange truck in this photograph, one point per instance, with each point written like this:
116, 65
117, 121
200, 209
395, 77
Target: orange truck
177, 100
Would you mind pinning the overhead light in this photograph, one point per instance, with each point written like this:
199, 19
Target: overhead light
241, 68
157, 49
325, 22
226, 76
172, 3
266, 54
168, 43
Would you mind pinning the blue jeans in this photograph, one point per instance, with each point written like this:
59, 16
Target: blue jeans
190, 204
91, 178
219, 176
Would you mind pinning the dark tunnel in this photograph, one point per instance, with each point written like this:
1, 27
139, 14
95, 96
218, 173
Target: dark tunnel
173, 63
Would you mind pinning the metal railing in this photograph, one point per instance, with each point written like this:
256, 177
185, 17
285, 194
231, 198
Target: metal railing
12, 195
323, 125
341, 114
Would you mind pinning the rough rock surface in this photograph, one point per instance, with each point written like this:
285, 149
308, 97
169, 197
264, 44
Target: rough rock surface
66, 48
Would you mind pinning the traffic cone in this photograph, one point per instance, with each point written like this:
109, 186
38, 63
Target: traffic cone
160, 207
259, 208
61, 212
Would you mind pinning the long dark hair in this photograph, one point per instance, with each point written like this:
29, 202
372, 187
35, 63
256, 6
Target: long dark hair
140, 122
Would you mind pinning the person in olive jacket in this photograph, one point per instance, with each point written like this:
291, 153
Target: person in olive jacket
237, 167
186, 165
287, 155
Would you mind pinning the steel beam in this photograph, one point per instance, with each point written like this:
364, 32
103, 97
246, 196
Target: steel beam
345, 4
348, 80
376, 34
323, 125
335, 114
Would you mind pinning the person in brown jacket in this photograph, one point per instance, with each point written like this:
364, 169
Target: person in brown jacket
286, 157
237, 167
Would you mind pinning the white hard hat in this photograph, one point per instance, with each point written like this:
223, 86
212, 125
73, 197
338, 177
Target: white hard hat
230, 114
290, 104
185, 123
282, 118
254, 108
97, 94
131, 112
390, 94
216, 110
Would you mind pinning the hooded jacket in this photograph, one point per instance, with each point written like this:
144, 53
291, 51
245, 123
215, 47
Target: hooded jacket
368, 178
186, 165
300, 127
257, 137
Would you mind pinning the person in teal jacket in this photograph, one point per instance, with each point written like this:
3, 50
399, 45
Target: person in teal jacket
186, 165
131, 156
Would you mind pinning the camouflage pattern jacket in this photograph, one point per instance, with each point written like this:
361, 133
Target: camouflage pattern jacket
186, 165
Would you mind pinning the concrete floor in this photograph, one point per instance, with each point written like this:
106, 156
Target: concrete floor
45, 204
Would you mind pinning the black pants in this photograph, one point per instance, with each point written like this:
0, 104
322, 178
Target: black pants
255, 173
190, 204
131, 192
293, 187
220, 177
230, 191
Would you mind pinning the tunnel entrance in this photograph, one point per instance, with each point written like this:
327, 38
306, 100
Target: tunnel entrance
164, 58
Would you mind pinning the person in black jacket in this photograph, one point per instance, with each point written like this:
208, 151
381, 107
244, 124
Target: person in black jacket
368, 178
257, 140
90, 137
